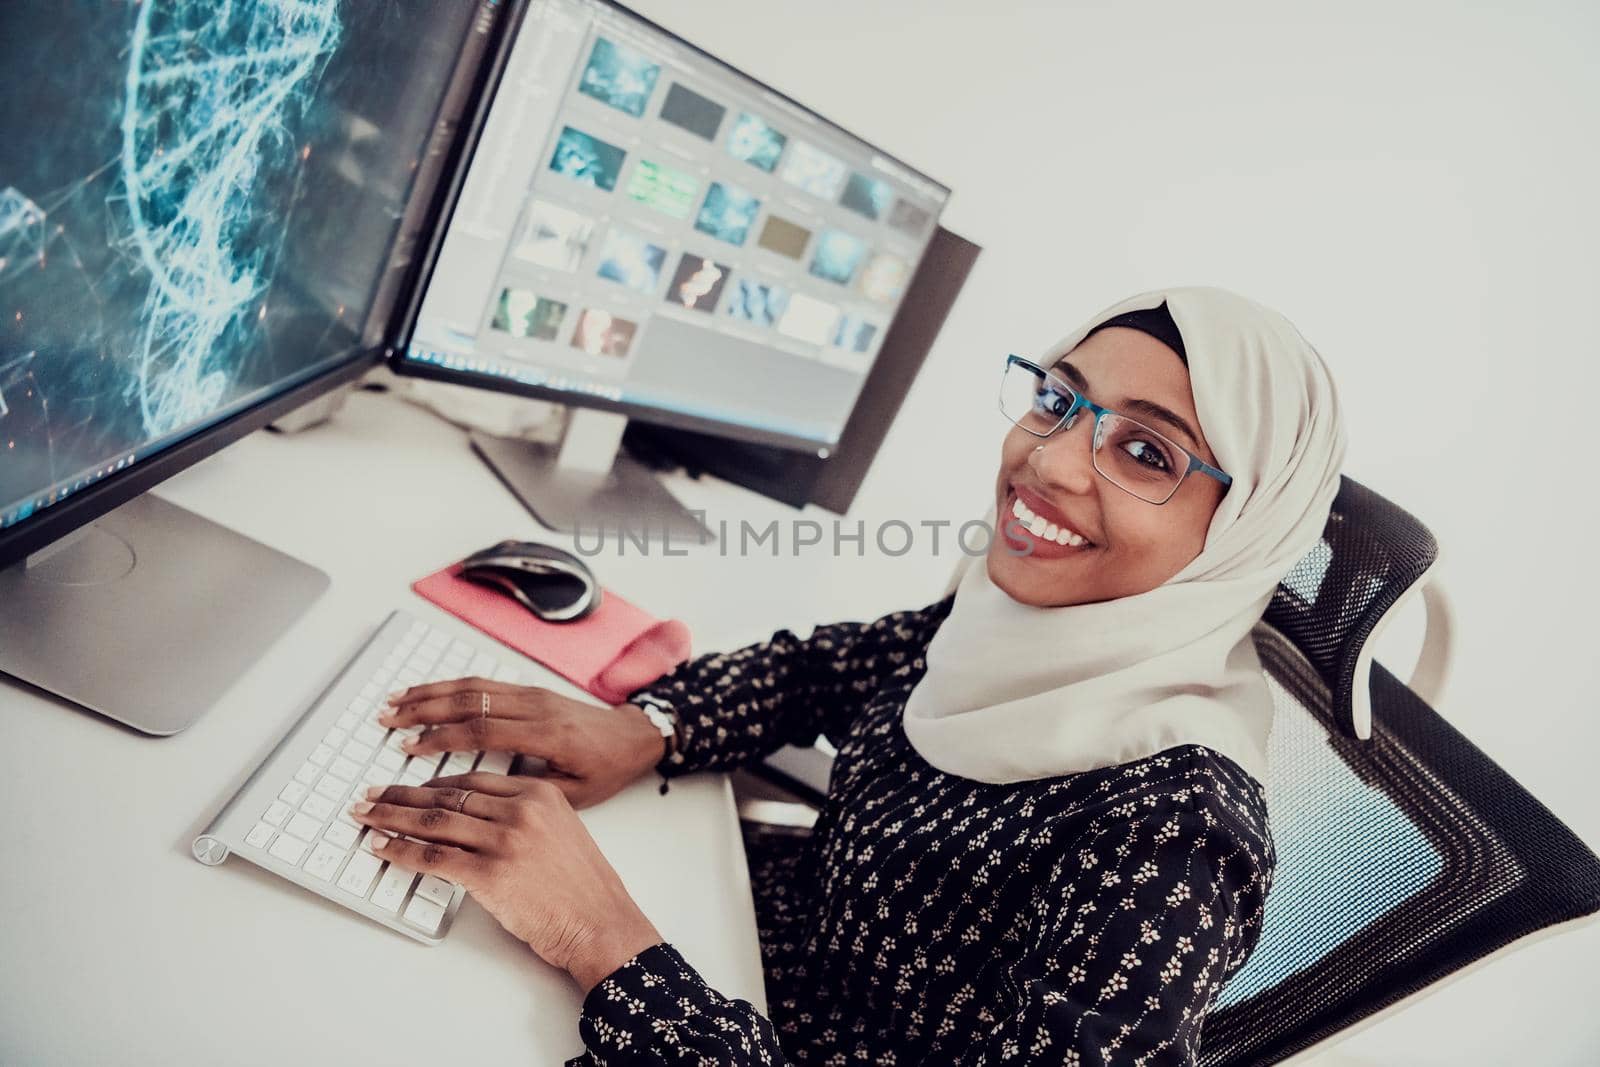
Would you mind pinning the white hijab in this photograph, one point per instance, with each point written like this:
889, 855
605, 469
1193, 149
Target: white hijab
1015, 692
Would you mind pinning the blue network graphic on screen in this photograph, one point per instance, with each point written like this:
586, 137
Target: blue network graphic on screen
209, 91
197, 203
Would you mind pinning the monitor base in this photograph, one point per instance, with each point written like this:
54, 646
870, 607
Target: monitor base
625, 500
148, 615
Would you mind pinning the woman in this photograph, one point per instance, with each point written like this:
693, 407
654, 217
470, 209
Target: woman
1045, 839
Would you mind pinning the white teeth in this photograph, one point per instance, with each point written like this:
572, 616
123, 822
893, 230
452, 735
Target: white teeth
1039, 527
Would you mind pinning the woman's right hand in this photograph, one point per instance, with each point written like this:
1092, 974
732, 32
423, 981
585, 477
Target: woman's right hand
592, 751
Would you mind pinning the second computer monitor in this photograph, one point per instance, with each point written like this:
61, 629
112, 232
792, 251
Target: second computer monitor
645, 229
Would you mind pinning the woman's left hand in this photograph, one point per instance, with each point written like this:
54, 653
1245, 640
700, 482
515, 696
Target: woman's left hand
523, 853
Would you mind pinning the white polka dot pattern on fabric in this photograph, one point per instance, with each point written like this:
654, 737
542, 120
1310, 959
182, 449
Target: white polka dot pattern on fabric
1089, 919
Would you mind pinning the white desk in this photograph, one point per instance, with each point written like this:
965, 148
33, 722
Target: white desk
117, 947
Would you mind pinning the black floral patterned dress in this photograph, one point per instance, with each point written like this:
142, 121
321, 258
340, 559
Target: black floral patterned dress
1086, 919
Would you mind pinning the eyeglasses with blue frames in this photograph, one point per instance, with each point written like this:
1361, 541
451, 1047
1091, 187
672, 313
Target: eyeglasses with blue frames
1127, 453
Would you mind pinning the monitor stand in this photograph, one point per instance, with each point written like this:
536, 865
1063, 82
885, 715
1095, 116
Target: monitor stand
149, 614
590, 485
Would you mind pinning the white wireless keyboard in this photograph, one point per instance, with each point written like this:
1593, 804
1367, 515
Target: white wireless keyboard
292, 816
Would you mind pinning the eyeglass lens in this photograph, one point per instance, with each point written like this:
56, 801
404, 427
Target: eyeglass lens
1129, 453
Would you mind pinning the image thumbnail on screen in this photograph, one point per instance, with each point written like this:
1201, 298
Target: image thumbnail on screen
619, 76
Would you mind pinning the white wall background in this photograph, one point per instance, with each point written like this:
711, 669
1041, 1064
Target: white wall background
1412, 184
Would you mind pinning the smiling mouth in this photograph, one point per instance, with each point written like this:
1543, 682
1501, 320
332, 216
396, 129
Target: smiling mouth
1044, 531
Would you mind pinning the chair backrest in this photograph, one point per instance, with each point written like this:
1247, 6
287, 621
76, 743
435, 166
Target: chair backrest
1334, 602
1401, 858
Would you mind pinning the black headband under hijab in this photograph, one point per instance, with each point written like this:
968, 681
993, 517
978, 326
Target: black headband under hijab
1156, 321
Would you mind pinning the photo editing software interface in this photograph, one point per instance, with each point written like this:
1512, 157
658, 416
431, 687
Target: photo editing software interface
195, 213
644, 224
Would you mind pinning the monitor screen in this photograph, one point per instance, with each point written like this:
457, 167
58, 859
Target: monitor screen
197, 204
644, 225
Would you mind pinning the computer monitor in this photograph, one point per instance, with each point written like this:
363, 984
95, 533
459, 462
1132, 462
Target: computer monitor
802, 477
204, 216
645, 231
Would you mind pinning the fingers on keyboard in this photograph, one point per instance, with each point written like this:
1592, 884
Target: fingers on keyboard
308, 826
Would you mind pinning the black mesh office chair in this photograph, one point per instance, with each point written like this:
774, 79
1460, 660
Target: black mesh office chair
1404, 853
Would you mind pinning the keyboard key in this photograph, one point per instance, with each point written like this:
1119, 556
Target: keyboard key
425, 915
259, 836
319, 807
348, 721
369, 734
415, 778
368, 696
293, 794
288, 850
377, 775
307, 773
343, 768
436, 889
335, 738
461, 650
392, 888
390, 760
357, 752
407, 678
483, 665
342, 834
321, 755
436, 639
359, 873
428, 765
276, 813
332, 788
458, 763
324, 861
496, 762
303, 826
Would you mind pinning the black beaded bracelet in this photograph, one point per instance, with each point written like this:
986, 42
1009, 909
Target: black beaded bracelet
670, 713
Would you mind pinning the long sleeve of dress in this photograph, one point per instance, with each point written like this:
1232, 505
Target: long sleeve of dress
1137, 926
735, 708
656, 1009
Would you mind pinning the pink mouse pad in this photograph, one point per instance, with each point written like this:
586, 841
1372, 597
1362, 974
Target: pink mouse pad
610, 652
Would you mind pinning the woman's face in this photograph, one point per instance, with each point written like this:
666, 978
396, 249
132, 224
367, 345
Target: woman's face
1134, 546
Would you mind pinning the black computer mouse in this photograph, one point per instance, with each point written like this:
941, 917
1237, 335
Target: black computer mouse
550, 582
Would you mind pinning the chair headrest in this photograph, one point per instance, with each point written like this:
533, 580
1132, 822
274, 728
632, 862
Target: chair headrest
1335, 600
